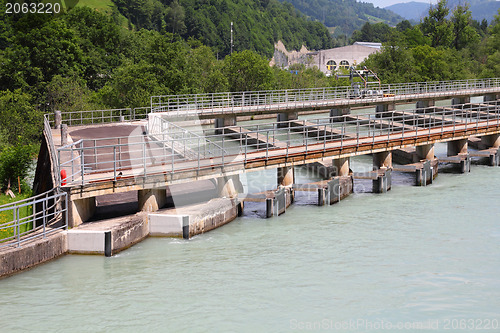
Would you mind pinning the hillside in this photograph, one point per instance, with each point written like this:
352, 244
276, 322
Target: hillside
410, 10
257, 25
480, 9
345, 15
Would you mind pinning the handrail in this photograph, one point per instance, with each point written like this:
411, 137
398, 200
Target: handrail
136, 156
267, 99
52, 152
46, 213
91, 117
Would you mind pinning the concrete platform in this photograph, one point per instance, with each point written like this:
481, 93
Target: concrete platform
89, 238
198, 218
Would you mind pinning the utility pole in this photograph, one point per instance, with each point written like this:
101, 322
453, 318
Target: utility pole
231, 37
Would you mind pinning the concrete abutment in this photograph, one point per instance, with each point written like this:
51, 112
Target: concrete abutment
80, 210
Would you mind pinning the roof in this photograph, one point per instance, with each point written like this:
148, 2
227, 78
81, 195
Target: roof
369, 44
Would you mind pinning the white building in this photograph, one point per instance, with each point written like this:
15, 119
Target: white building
326, 60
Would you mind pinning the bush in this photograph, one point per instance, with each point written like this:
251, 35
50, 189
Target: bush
15, 162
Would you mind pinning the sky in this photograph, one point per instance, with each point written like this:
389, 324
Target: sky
385, 3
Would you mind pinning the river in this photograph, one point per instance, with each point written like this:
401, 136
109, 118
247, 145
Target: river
427, 256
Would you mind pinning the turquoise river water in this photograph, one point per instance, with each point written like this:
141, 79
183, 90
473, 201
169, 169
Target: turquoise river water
416, 259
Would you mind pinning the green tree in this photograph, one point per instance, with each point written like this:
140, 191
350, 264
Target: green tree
464, 33
436, 26
247, 71
132, 85
175, 18
20, 121
69, 94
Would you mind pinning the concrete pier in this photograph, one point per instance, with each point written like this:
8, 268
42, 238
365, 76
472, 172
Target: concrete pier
224, 122
460, 100
337, 112
382, 163
419, 160
283, 118
329, 191
382, 109
490, 97
425, 152
491, 141
228, 186
341, 166
383, 181
425, 104
286, 176
151, 200
382, 160
81, 210
457, 147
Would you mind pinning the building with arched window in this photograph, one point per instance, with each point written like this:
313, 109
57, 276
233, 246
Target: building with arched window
328, 61
343, 57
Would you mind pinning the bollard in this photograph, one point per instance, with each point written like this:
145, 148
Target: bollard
57, 119
64, 135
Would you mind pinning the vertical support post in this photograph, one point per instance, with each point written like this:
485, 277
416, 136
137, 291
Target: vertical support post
269, 207
107, 243
185, 227
321, 196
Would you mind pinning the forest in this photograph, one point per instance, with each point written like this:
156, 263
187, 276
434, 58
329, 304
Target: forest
88, 60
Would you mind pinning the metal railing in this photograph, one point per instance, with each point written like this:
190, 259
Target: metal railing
77, 118
240, 145
52, 151
32, 218
305, 98
181, 140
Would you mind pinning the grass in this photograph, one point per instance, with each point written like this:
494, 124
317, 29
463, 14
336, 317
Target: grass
373, 19
7, 216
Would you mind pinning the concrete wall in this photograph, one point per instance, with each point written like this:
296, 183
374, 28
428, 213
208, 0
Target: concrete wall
18, 259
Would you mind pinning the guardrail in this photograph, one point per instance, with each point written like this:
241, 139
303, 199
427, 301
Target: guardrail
76, 118
52, 151
164, 131
139, 156
32, 218
271, 99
